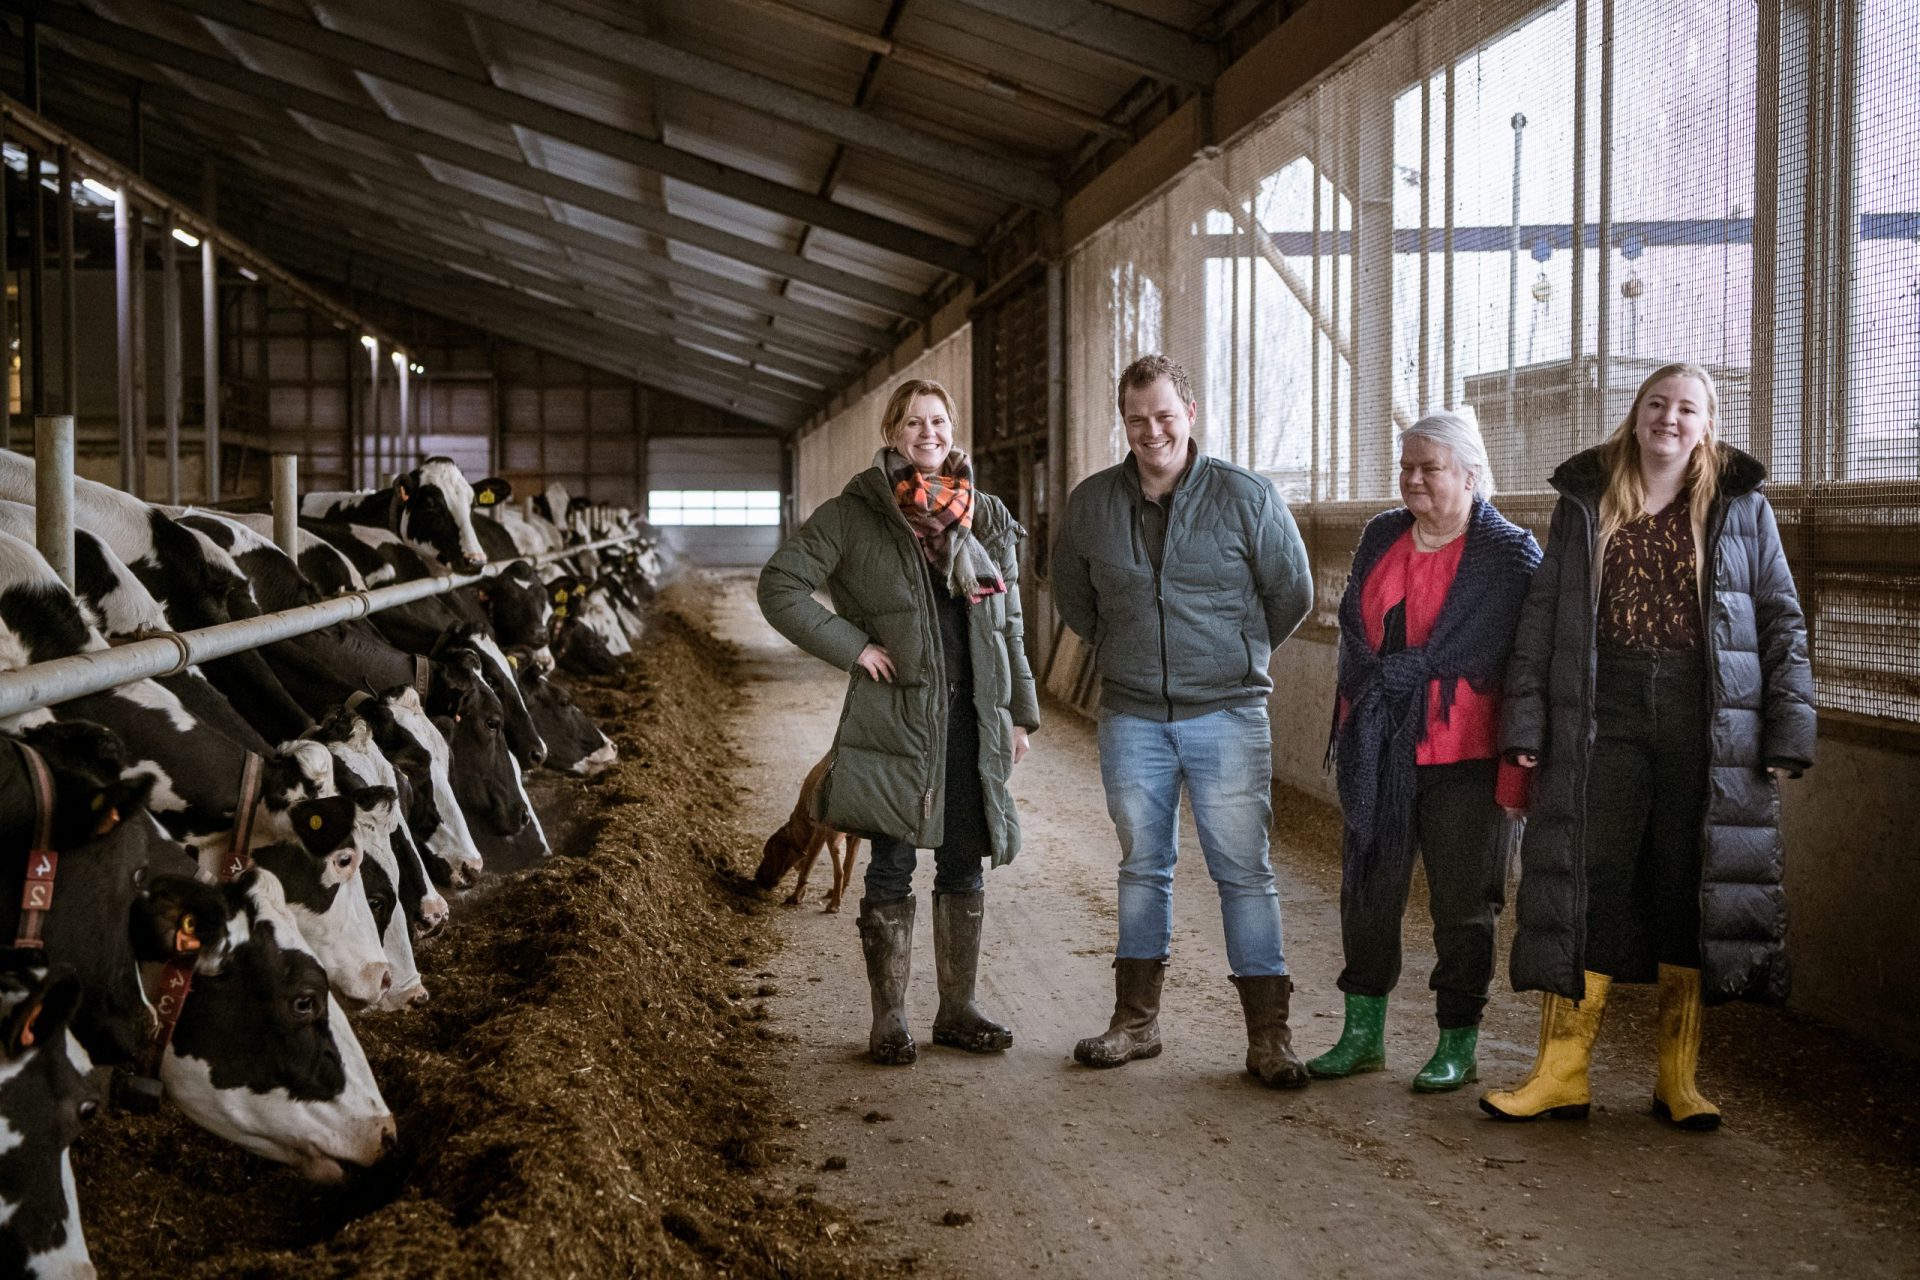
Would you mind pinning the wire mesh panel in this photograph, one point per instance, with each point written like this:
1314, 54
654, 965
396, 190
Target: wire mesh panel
1526, 209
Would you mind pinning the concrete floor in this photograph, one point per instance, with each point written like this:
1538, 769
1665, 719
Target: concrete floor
1026, 1163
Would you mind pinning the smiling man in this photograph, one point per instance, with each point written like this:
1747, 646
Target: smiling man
1184, 572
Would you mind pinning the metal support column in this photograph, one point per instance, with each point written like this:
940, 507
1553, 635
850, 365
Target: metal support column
53, 492
376, 440
37, 284
69, 312
123, 331
141, 401
1603, 319
1519, 123
405, 429
1371, 146
1576, 381
286, 503
170, 354
210, 366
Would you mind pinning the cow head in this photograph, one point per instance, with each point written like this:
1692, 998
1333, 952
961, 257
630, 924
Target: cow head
44, 1099
320, 882
263, 1056
486, 778
420, 754
574, 743
122, 891
435, 505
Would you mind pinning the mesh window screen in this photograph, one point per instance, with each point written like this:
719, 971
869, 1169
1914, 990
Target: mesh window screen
1526, 209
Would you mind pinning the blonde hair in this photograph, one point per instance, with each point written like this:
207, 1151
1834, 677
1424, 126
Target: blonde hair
1626, 492
902, 399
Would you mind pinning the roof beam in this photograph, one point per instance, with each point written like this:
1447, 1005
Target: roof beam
1139, 44
503, 104
992, 84
233, 77
577, 297
1022, 183
208, 120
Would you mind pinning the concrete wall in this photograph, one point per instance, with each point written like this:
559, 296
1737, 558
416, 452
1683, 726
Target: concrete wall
1852, 829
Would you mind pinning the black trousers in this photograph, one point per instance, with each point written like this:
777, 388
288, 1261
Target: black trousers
1458, 829
1646, 813
956, 863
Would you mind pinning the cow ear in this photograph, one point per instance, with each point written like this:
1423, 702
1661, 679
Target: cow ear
491, 492
322, 825
42, 1016
403, 490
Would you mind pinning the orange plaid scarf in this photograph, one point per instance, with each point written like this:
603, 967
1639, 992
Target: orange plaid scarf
939, 510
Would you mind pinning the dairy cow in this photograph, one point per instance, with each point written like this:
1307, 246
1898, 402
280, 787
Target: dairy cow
196, 584
421, 758
44, 1099
120, 891
430, 507
574, 743
263, 1056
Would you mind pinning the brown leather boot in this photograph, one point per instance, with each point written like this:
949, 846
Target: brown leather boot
1270, 1055
1135, 1030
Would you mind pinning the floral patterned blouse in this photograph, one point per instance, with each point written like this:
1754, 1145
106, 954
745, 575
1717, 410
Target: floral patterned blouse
1649, 595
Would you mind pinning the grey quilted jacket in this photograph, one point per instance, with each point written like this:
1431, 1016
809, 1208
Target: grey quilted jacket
1196, 635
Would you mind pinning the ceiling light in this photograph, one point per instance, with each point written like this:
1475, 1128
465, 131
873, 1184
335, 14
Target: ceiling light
186, 237
400, 360
246, 274
100, 188
370, 342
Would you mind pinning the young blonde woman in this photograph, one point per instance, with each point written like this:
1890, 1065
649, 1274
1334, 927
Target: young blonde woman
922, 572
1659, 688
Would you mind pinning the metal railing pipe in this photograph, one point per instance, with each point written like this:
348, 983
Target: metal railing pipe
46, 683
53, 492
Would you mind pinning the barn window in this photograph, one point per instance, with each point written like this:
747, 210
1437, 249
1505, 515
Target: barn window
714, 506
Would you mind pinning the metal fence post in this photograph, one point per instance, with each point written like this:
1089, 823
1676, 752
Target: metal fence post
53, 491
286, 503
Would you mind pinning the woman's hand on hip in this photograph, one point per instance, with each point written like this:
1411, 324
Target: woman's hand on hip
1526, 760
876, 662
1020, 744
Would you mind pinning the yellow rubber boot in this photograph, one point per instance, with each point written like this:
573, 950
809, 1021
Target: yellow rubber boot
1557, 1085
1675, 1096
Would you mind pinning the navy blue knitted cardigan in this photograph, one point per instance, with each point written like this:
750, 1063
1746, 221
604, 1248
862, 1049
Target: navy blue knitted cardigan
1374, 748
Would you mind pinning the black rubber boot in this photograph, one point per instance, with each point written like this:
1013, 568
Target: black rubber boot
886, 936
956, 959
1270, 1055
1135, 1030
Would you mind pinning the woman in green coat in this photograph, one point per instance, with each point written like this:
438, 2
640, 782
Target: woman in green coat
921, 569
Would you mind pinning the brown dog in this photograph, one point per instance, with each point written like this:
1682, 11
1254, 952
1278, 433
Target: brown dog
800, 842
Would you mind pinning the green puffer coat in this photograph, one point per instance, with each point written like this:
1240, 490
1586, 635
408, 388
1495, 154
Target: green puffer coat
888, 775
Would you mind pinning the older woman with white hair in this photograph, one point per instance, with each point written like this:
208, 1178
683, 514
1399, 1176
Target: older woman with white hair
1426, 626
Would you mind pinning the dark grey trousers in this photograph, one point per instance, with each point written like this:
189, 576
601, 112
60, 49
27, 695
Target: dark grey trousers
1458, 830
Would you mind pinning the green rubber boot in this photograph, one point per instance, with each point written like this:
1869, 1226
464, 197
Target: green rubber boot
1452, 1064
1363, 1041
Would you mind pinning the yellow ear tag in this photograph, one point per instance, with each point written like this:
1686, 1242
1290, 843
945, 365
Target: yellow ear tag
560, 596
513, 662
579, 591
314, 822
99, 801
484, 497
561, 612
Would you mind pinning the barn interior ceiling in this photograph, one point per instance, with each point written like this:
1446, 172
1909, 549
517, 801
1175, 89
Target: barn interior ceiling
745, 202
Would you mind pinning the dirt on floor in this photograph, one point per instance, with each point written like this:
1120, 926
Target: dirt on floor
582, 1096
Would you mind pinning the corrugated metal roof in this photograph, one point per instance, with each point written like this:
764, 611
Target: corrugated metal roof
807, 209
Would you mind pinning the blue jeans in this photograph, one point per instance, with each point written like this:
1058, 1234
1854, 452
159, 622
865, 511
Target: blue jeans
1225, 760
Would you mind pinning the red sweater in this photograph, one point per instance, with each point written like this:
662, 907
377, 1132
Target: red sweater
1470, 729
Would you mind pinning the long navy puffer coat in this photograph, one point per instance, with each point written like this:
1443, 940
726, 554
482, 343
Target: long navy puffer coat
1761, 714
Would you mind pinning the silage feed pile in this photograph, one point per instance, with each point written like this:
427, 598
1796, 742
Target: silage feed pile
583, 1094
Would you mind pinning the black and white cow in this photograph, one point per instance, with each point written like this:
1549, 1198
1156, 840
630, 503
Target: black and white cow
325, 891
195, 582
574, 743
121, 893
262, 1054
431, 507
423, 761
44, 1099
